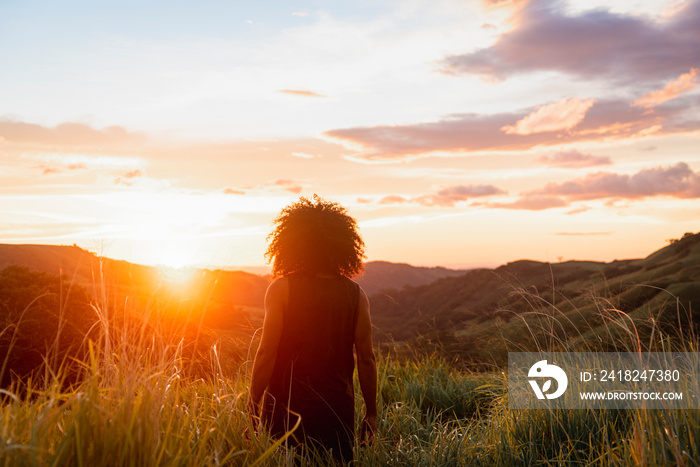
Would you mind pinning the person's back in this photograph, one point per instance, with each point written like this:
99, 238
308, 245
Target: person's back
314, 364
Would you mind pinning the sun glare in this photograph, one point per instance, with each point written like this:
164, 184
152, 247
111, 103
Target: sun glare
175, 264
176, 258
177, 276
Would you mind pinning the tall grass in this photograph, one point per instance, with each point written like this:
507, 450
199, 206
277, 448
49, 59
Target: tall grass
138, 403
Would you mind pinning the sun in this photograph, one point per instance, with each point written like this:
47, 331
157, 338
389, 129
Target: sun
179, 277
176, 258
175, 263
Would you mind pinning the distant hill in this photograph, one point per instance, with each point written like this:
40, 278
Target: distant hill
381, 275
483, 313
477, 314
52, 259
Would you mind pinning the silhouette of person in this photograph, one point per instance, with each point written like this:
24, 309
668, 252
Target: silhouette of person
314, 316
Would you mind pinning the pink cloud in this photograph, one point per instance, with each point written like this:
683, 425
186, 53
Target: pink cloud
597, 43
466, 133
454, 194
561, 115
447, 197
684, 83
573, 159
678, 181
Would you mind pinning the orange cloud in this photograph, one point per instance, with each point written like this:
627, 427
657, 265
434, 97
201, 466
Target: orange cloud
513, 5
301, 92
393, 199
581, 234
561, 115
123, 180
533, 203
67, 134
578, 210
233, 191
291, 186
48, 170
133, 174
684, 83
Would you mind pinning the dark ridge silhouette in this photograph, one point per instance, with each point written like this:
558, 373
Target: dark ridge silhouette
477, 314
381, 275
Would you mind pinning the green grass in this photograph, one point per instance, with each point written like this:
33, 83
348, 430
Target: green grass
138, 402
430, 415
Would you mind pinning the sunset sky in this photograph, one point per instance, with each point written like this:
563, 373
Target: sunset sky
459, 133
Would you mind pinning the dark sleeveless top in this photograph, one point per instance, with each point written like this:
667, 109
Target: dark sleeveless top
313, 372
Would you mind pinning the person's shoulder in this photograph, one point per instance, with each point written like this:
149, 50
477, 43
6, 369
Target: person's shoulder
356, 286
278, 286
362, 293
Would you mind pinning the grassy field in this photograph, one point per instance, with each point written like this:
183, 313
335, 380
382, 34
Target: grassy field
140, 399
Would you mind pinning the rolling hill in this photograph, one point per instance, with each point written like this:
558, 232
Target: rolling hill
381, 275
483, 313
